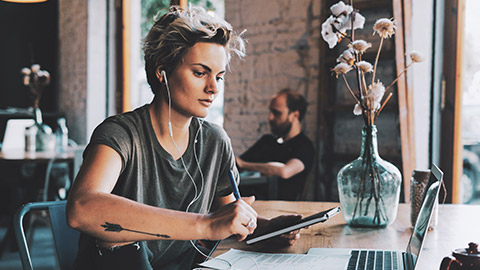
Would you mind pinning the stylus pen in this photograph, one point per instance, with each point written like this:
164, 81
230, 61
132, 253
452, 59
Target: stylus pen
213, 250
236, 193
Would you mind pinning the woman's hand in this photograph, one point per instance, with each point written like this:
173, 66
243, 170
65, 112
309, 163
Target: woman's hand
237, 218
286, 239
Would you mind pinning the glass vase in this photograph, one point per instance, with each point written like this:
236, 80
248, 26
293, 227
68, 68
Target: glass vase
369, 187
44, 132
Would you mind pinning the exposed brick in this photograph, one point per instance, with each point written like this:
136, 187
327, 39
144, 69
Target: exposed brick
283, 51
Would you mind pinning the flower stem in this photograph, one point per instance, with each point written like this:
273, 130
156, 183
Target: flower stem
350, 89
388, 88
353, 20
376, 60
364, 82
384, 103
398, 77
362, 92
373, 195
367, 99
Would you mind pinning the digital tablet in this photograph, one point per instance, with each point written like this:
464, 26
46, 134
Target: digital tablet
302, 223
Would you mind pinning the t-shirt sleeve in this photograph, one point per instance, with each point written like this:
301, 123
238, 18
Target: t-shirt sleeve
113, 135
305, 153
253, 154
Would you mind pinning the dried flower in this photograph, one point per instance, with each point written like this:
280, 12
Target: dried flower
43, 77
368, 98
416, 56
328, 34
35, 68
360, 46
384, 27
36, 79
340, 8
376, 91
365, 66
357, 110
358, 23
335, 27
26, 71
347, 57
342, 68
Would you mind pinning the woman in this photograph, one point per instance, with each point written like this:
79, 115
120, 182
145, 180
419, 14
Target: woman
157, 176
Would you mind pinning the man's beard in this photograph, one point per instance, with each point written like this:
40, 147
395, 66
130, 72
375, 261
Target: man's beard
282, 129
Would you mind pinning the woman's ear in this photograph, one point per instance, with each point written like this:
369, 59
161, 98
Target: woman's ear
159, 75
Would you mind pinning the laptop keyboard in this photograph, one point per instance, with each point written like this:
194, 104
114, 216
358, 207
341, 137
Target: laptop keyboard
372, 260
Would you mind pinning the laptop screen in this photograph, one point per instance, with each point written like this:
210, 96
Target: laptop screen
15, 134
424, 216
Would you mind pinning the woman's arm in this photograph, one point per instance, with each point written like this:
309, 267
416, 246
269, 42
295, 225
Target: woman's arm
92, 205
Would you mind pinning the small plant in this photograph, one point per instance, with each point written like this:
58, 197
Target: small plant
36, 80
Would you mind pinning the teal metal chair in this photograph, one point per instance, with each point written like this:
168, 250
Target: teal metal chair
64, 237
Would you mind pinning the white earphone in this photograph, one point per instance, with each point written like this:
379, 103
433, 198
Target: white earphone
170, 131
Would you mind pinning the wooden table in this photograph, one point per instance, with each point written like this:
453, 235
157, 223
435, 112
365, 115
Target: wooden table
21, 155
457, 226
73, 154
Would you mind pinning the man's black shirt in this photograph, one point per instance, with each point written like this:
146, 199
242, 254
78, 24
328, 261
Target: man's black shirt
268, 149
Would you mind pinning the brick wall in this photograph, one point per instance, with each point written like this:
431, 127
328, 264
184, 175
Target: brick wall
282, 51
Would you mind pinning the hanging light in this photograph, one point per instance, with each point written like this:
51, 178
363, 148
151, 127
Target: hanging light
25, 1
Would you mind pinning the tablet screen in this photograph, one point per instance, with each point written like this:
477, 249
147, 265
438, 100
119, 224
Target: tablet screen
302, 223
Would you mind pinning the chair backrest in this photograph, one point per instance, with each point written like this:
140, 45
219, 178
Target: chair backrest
64, 237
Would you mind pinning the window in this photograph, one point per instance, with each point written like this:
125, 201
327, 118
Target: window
470, 73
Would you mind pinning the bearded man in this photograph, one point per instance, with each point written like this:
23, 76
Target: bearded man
287, 153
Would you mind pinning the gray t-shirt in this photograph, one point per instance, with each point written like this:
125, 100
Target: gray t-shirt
151, 176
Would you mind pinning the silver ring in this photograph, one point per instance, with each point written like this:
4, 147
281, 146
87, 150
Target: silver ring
251, 223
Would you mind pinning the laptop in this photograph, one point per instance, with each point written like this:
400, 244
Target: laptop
364, 259
14, 138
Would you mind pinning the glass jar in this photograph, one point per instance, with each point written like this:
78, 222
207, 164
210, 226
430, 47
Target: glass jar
418, 190
44, 133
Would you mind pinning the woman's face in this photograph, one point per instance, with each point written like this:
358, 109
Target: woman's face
196, 82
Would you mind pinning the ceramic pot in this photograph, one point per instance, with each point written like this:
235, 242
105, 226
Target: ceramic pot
462, 259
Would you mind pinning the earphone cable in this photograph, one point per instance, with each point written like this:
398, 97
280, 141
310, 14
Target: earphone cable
170, 130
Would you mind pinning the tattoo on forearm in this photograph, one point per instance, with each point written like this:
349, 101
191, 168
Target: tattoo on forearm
111, 227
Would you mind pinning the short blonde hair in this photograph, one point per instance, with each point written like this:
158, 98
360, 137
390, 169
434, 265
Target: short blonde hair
177, 31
